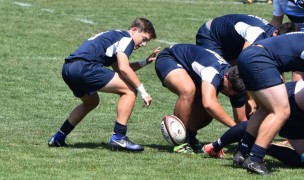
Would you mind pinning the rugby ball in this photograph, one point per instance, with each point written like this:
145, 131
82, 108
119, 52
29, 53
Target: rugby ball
173, 130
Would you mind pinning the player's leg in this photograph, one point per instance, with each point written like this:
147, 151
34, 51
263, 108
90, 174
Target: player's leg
185, 91
118, 85
286, 155
183, 105
198, 120
73, 75
275, 101
232, 135
119, 140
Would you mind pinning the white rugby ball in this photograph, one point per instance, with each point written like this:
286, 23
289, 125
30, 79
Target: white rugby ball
173, 130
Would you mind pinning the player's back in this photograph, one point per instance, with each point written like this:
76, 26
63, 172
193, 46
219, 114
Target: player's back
231, 31
287, 50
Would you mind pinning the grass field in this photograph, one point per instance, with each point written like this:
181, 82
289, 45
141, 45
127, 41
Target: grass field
35, 38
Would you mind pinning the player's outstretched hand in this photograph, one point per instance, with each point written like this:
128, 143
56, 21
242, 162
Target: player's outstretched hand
152, 56
148, 101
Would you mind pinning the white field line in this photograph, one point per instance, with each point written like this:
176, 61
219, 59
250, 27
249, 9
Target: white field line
47, 10
85, 21
44, 58
166, 42
22, 4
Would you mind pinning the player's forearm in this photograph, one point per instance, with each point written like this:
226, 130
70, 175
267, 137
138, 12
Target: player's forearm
218, 113
130, 76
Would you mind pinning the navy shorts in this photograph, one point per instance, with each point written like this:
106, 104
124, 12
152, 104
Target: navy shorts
294, 126
258, 69
84, 77
164, 64
204, 39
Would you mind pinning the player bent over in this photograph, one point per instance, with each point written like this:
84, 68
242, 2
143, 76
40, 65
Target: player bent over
197, 75
85, 72
260, 67
292, 130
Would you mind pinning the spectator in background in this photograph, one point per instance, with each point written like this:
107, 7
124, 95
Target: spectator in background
294, 10
252, 1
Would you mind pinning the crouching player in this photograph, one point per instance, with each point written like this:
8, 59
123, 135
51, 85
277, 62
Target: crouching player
292, 130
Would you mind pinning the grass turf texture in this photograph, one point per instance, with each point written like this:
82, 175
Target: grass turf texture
35, 38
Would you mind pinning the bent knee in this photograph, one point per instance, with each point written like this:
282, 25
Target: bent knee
187, 93
283, 114
91, 102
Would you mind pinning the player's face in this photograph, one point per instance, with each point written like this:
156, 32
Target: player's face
140, 38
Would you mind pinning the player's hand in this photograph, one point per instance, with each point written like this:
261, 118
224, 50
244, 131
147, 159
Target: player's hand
152, 56
148, 101
252, 106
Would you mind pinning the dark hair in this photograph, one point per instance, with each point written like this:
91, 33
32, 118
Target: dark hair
145, 25
288, 27
235, 80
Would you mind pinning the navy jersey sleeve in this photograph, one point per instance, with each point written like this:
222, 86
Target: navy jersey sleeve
238, 100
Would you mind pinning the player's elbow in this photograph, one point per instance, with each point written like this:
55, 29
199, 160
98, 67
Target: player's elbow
208, 105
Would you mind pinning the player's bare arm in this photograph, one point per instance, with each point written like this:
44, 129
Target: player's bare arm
212, 106
141, 63
128, 73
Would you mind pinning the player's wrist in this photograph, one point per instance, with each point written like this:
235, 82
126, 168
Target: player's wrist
142, 63
142, 91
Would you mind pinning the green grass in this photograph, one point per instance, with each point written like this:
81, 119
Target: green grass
35, 101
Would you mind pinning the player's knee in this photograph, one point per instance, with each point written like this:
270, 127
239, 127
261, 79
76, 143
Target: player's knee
131, 92
283, 114
92, 104
187, 93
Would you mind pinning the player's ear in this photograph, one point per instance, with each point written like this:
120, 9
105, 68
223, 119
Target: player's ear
226, 75
275, 33
134, 30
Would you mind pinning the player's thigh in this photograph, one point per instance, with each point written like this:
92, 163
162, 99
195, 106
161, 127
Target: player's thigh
274, 99
172, 74
179, 82
118, 85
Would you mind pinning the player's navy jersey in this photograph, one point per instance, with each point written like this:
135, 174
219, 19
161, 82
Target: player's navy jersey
287, 50
201, 65
232, 30
102, 48
196, 60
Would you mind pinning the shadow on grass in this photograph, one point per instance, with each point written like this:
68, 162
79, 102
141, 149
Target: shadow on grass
89, 145
161, 148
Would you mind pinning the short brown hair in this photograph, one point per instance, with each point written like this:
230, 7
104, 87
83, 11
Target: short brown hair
235, 80
288, 27
145, 25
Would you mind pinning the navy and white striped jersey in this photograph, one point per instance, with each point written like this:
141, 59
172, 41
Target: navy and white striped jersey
198, 61
287, 50
102, 47
294, 13
232, 30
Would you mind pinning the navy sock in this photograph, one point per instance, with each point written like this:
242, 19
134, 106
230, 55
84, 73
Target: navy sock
190, 135
66, 128
257, 153
119, 131
286, 155
247, 143
232, 135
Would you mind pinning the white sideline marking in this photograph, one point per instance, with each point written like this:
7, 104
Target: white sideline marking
166, 42
85, 21
48, 10
45, 58
22, 4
